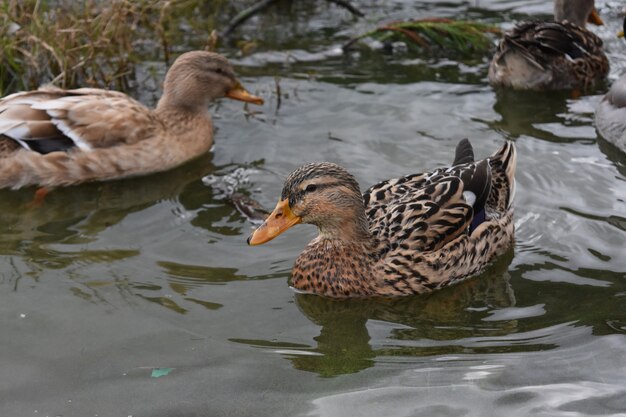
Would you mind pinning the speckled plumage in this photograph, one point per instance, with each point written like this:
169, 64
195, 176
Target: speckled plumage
551, 55
55, 137
403, 236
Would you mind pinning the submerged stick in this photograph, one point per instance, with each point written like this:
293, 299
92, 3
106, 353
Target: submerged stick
246, 14
347, 5
263, 4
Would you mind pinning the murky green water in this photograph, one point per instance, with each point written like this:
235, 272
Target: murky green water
107, 286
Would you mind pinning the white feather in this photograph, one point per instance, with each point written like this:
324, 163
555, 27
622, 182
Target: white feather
23, 144
18, 132
67, 131
50, 104
469, 197
6, 125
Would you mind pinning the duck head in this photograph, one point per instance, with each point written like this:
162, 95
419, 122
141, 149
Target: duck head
197, 78
323, 194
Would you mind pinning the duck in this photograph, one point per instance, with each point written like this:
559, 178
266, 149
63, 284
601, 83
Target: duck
403, 236
54, 137
556, 55
611, 111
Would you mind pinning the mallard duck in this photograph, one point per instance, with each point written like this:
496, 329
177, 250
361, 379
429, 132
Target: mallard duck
403, 236
611, 112
54, 137
552, 55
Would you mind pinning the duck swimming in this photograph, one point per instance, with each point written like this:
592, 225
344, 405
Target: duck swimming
611, 112
552, 55
54, 137
403, 236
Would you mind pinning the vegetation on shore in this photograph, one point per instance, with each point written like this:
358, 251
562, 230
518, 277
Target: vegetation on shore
91, 43
97, 43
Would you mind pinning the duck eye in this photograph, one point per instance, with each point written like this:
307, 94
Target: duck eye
311, 187
219, 71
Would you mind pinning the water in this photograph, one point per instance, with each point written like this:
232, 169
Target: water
140, 297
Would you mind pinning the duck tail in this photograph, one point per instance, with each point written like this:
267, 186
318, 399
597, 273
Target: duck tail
503, 164
464, 153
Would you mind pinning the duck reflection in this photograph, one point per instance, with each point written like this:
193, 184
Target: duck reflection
88, 207
615, 155
343, 345
54, 234
529, 113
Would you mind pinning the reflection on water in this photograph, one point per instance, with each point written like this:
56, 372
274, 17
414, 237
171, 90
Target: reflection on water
76, 215
433, 324
529, 113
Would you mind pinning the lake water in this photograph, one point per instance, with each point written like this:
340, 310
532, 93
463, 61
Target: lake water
141, 297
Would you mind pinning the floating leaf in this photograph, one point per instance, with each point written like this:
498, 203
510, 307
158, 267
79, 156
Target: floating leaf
159, 372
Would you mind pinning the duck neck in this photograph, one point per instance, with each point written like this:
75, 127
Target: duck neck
168, 104
573, 11
346, 229
184, 97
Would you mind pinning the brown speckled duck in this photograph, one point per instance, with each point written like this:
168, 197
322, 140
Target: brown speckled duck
53, 137
404, 236
552, 55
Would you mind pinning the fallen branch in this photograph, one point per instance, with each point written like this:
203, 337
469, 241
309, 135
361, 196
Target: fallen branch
246, 14
347, 5
263, 4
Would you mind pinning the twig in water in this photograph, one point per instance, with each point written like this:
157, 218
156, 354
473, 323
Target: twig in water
263, 4
278, 94
246, 14
335, 138
346, 4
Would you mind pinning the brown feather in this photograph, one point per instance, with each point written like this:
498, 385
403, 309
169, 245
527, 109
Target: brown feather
551, 55
64, 137
418, 238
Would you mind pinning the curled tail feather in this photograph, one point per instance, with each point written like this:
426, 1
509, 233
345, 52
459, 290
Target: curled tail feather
503, 164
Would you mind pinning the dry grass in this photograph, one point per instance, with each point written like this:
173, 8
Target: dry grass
90, 43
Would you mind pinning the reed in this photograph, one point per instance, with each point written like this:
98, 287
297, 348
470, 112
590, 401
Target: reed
89, 43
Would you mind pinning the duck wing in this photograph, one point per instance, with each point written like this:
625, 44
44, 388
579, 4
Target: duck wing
52, 119
548, 55
423, 212
541, 42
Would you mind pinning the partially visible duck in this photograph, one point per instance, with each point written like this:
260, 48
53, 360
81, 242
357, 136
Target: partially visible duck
611, 112
54, 137
552, 55
403, 236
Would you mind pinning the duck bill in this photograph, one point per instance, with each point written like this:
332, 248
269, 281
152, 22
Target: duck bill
595, 18
281, 219
240, 93
620, 34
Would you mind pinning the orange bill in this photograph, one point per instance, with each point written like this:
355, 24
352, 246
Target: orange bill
595, 18
240, 93
281, 219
